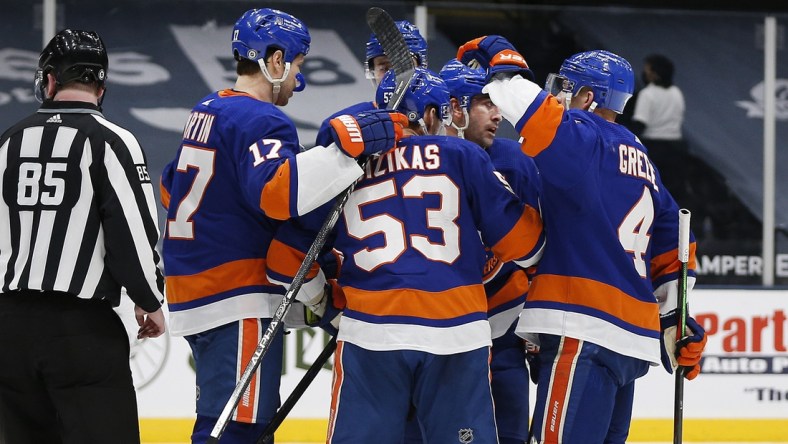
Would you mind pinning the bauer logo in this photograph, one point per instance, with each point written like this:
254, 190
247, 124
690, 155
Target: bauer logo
749, 344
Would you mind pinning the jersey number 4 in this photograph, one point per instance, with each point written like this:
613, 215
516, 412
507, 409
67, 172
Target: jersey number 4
393, 229
634, 229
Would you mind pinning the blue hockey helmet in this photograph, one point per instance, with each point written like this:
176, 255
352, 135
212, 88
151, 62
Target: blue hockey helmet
413, 38
259, 29
463, 81
608, 75
425, 89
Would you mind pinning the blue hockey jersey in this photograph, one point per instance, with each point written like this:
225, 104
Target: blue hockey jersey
506, 284
412, 236
610, 268
238, 172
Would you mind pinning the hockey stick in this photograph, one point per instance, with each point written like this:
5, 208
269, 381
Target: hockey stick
395, 48
393, 44
681, 313
277, 320
267, 437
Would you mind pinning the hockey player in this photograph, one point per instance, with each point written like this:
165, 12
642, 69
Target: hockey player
412, 235
377, 62
238, 173
604, 297
376, 65
476, 118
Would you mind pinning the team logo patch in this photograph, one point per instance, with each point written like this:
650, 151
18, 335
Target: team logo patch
465, 435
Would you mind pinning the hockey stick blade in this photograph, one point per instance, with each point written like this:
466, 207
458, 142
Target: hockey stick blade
395, 48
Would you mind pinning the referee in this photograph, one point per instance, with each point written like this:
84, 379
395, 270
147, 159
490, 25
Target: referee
77, 224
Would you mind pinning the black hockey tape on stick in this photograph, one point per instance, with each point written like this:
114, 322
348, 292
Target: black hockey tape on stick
395, 47
681, 325
267, 437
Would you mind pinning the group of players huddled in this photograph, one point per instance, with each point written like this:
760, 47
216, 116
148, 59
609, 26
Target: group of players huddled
461, 265
458, 257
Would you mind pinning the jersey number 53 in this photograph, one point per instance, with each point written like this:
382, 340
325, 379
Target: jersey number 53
393, 229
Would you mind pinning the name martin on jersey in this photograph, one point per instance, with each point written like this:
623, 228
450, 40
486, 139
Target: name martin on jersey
633, 162
198, 127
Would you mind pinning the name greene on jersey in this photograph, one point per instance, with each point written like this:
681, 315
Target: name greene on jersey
396, 159
634, 162
198, 127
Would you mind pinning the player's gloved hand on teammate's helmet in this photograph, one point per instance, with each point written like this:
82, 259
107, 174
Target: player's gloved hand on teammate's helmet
368, 132
495, 55
690, 348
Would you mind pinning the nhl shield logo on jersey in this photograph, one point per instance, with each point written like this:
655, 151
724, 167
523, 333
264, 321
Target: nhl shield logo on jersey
465, 435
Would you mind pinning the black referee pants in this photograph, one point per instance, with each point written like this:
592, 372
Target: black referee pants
64, 372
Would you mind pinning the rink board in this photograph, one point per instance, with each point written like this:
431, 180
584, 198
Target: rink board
742, 394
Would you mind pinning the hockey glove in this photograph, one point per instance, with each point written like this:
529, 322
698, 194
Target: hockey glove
324, 311
495, 55
690, 348
367, 132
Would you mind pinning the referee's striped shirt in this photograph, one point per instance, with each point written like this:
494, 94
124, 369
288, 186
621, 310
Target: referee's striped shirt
77, 212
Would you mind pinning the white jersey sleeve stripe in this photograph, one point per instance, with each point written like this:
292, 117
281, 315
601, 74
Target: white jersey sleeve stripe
132, 145
125, 193
138, 157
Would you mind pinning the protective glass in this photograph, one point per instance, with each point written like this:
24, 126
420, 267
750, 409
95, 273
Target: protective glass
556, 84
38, 88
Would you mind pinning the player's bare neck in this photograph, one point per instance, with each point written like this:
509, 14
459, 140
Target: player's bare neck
407, 132
607, 114
255, 86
